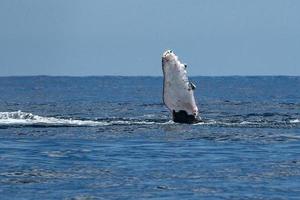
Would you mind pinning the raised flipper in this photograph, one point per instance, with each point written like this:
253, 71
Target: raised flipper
178, 91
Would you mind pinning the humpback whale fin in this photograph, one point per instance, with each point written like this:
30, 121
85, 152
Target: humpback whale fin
178, 91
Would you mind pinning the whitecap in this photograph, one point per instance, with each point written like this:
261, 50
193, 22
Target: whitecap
294, 121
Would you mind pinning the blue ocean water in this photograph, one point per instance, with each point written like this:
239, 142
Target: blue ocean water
112, 138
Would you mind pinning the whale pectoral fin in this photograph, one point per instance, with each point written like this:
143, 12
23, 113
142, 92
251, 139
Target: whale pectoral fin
192, 86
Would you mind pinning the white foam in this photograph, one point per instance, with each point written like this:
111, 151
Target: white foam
23, 118
245, 123
209, 122
294, 121
20, 118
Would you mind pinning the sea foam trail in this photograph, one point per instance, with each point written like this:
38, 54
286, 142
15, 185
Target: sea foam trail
20, 118
24, 119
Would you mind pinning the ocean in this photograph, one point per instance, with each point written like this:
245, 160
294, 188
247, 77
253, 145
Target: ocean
112, 138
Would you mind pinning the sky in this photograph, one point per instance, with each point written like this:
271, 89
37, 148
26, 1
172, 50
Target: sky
117, 37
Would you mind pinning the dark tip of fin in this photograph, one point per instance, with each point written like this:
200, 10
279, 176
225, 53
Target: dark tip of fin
182, 117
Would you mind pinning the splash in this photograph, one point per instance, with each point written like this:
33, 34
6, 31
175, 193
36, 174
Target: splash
25, 119
20, 118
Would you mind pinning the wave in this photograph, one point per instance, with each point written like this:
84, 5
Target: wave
24, 119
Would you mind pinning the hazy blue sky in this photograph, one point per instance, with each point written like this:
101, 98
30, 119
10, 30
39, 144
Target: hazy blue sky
127, 37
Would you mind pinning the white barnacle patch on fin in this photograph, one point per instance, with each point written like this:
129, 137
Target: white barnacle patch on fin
178, 91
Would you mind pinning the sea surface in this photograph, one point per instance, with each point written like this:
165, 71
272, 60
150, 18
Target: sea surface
112, 138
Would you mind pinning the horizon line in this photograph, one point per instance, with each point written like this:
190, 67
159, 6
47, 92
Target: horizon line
154, 76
